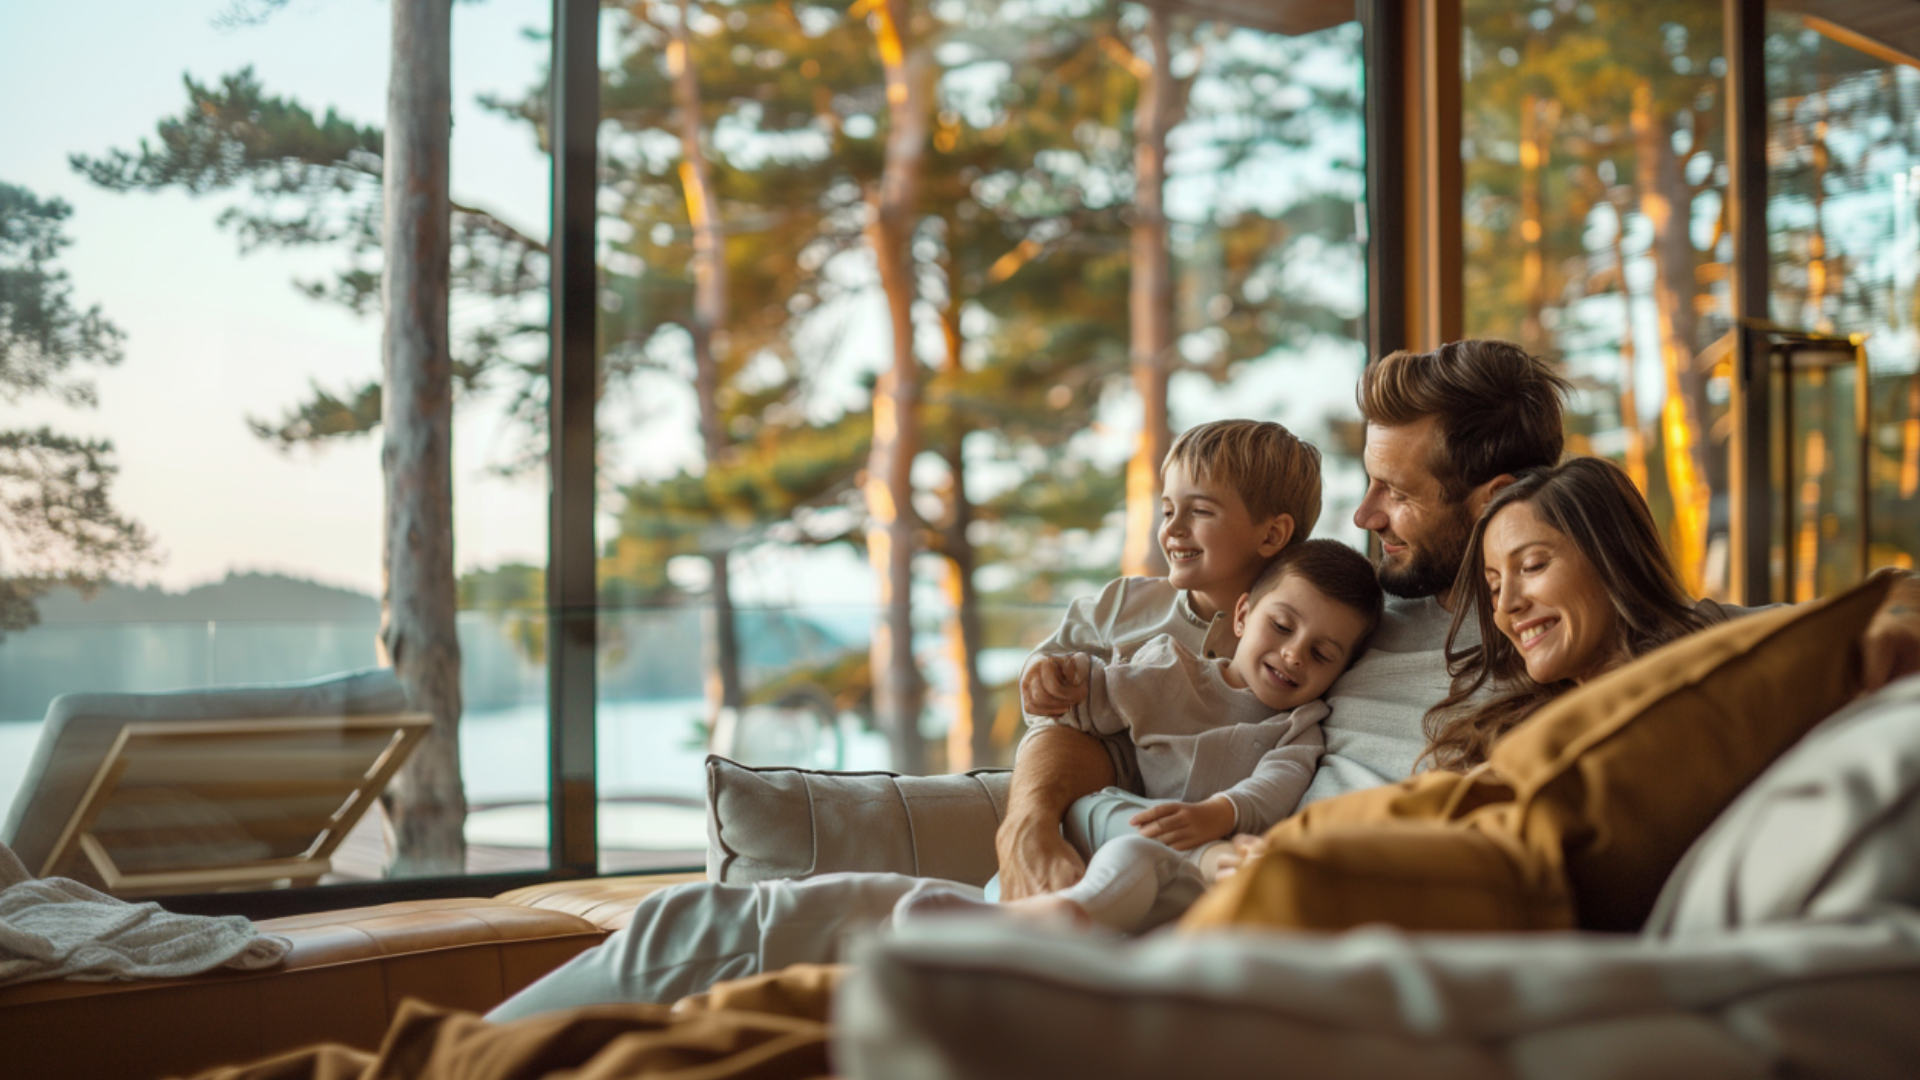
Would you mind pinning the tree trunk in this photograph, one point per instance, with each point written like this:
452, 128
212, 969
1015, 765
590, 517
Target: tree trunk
1150, 301
970, 739
707, 328
1667, 202
1533, 265
1629, 375
1821, 281
891, 528
1910, 442
426, 803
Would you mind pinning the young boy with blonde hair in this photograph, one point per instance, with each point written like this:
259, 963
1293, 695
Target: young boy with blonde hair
1234, 493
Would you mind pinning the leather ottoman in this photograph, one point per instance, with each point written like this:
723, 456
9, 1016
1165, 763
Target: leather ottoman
342, 982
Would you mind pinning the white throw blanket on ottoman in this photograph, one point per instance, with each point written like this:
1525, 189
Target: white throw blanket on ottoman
56, 928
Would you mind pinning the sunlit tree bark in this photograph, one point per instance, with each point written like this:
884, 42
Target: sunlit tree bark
970, 739
426, 802
1910, 442
1150, 300
1665, 200
1629, 355
891, 528
708, 329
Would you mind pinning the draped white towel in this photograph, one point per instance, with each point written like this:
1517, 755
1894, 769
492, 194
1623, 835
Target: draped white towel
56, 928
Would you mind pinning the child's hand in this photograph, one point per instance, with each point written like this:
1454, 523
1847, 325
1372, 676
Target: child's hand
1185, 826
1053, 685
1241, 850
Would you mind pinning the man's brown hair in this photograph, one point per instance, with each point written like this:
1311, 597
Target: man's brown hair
1336, 571
1498, 407
1273, 470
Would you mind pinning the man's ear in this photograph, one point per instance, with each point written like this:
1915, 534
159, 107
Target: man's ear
1478, 498
1279, 535
1241, 609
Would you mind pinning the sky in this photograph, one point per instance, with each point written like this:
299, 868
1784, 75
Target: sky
214, 336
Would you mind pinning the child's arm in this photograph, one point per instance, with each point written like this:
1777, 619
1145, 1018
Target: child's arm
1280, 778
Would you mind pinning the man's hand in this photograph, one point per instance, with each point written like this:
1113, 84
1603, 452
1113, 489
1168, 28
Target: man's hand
1053, 685
1890, 649
1056, 766
1241, 850
1035, 861
1185, 826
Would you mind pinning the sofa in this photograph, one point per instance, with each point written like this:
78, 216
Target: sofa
1784, 941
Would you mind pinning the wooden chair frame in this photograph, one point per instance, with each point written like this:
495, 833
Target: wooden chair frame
307, 867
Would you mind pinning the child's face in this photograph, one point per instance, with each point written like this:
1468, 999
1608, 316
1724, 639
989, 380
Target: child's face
1293, 643
1209, 538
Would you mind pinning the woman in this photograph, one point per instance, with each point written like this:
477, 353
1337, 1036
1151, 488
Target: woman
1566, 578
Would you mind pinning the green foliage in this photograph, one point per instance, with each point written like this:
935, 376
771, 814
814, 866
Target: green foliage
58, 523
42, 334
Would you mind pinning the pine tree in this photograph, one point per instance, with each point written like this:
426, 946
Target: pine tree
58, 521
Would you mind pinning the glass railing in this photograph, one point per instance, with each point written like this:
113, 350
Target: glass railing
804, 669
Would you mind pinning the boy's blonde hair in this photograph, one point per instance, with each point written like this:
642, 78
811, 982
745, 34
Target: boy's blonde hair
1273, 470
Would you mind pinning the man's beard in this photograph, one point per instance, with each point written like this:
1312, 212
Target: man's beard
1434, 562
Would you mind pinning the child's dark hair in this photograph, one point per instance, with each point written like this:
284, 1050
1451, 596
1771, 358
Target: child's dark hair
1338, 572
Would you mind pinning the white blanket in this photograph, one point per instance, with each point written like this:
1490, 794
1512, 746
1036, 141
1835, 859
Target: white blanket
56, 928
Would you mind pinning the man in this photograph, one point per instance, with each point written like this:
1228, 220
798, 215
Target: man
1445, 430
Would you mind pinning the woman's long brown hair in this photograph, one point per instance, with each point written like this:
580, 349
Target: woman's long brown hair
1593, 503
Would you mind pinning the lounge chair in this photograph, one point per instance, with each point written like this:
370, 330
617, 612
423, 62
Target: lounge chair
202, 790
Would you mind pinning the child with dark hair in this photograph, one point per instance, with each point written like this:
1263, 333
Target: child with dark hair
1224, 746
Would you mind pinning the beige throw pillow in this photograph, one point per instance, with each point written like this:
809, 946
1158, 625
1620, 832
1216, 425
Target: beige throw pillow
772, 823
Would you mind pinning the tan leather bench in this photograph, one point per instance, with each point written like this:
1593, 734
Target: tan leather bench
605, 902
343, 981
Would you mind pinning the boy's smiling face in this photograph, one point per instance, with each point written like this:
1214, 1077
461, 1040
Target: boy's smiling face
1293, 643
1214, 547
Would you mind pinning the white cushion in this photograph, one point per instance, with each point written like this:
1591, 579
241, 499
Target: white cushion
770, 823
1832, 830
996, 999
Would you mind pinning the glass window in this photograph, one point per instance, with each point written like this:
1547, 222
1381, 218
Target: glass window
210, 413
1595, 234
745, 320
1843, 172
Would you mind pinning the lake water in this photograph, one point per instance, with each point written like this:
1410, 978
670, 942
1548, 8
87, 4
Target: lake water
647, 749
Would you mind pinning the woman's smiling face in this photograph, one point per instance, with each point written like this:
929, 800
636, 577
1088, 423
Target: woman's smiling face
1548, 599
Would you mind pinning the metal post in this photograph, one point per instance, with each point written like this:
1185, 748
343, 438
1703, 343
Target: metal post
1751, 515
571, 588
1383, 49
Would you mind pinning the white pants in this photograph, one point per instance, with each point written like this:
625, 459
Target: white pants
684, 939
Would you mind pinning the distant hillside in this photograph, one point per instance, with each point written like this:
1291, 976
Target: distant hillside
241, 597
